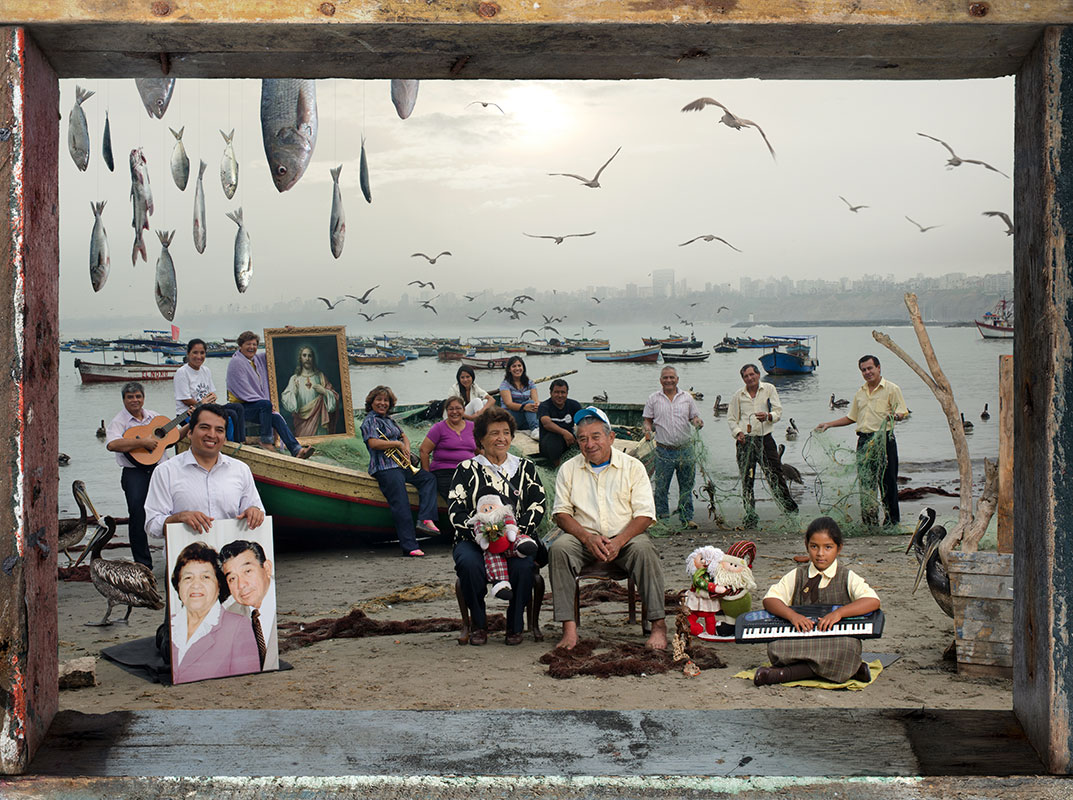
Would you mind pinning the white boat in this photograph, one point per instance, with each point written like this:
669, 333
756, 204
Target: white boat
997, 323
91, 372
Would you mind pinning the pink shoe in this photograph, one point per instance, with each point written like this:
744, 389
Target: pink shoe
428, 526
416, 553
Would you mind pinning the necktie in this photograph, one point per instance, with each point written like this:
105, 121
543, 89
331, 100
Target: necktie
258, 634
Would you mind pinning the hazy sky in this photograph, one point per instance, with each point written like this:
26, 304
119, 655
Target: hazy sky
471, 180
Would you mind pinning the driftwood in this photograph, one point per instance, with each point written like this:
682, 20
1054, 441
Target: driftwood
971, 526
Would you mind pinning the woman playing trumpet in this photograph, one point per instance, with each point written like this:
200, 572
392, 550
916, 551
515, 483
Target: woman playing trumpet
389, 463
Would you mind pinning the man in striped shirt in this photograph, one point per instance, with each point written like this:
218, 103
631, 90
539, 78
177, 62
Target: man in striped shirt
671, 415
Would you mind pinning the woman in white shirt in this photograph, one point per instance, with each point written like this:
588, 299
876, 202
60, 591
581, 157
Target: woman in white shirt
194, 386
473, 396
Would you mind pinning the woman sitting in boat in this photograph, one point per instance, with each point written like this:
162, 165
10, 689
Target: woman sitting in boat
390, 464
447, 444
518, 395
496, 471
474, 398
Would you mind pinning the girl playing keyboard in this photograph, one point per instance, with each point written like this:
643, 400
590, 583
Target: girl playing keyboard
820, 582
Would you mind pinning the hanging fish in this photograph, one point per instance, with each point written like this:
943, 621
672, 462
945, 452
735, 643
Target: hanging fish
288, 127
363, 174
180, 164
166, 291
155, 94
99, 261
78, 130
337, 228
141, 197
243, 252
404, 96
106, 145
229, 166
199, 210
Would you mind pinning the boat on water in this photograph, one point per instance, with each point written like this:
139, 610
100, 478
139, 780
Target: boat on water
728, 345
749, 342
543, 349
375, 359
648, 355
95, 372
478, 361
589, 344
670, 357
791, 355
673, 342
450, 352
998, 322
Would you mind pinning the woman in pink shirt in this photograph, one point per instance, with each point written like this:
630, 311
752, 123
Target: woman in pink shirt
449, 442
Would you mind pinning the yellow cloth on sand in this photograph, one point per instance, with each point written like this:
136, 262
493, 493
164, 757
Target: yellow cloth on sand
874, 667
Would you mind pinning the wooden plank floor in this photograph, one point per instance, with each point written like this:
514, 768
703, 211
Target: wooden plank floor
803, 743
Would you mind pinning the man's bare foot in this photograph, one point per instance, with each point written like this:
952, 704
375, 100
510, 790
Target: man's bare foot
569, 640
657, 640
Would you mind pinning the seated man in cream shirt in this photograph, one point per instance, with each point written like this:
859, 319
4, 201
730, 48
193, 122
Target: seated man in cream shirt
603, 505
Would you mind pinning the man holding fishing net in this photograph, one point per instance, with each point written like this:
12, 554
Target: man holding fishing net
875, 408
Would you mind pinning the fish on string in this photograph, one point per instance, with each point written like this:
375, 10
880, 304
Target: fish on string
141, 197
337, 225
288, 127
166, 291
363, 174
243, 252
180, 162
99, 260
404, 97
199, 210
156, 94
229, 166
78, 130
106, 144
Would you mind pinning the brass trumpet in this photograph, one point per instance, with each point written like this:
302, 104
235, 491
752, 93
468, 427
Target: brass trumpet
397, 455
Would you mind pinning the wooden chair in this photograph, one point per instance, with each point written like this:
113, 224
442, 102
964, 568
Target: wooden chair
600, 570
532, 613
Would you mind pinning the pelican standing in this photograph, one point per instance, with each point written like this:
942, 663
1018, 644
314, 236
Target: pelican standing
925, 543
789, 471
72, 531
120, 582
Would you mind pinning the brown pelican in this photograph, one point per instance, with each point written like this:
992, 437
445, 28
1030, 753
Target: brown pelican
985, 415
966, 425
72, 531
719, 407
102, 431
120, 582
925, 543
789, 471
838, 403
791, 430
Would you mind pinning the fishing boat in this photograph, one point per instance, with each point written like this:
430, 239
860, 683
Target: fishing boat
542, 349
673, 342
728, 345
589, 344
481, 362
450, 352
791, 355
749, 342
93, 372
648, 355
685, 355
375, 359
998, 322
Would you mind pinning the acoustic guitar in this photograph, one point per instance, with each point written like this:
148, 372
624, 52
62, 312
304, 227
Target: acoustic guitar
164, 431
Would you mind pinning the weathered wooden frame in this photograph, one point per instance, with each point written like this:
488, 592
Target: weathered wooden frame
571, 39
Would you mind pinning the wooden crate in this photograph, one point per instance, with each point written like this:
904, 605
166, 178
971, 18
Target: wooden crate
981, 586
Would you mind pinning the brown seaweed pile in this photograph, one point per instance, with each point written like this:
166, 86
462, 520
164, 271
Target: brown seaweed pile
607, 591
357, 625
609, 659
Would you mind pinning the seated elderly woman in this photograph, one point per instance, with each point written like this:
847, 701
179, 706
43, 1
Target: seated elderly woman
206, 641
501, 477
390, 464
447, 444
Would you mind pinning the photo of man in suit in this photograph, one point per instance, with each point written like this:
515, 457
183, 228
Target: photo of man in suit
248, 573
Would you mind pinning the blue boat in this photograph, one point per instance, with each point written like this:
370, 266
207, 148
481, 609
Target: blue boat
791, 355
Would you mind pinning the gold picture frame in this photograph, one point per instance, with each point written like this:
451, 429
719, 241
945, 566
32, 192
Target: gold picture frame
314, 414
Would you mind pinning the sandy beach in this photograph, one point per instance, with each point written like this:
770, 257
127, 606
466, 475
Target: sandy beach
431, 671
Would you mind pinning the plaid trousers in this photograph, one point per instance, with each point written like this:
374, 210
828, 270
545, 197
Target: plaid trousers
495, 564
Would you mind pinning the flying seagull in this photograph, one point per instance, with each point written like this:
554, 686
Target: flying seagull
330, 304
729, 119
1004, 217
722, 308
516, 313
431, 259
472, 297
478, 317
558, 239
484, 104
422, 284
710, 237
594, 182
374, 316
521, 299
955, 161
597, 299
365, 297
922, 228
852, 207
528, 330
428, 304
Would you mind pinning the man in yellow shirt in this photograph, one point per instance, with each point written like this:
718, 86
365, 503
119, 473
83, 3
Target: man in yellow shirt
874, 406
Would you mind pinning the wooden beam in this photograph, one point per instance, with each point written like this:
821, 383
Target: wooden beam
29, 361
1043, 398
1005, 454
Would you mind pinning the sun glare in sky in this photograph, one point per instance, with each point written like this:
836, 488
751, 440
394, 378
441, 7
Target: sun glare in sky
542, 115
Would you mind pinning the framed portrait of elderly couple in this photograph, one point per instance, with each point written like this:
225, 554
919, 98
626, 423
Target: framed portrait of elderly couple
221, 600
309, 381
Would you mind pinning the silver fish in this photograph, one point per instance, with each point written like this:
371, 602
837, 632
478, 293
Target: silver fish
243, 252
288, 127
404, 96
106, 145
199, 210
99, 261
180, 163
166, 291
337, 228
78, 130
229, 166
155, 94
141, 197
363, 174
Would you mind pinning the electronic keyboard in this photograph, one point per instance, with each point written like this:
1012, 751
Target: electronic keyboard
761, 626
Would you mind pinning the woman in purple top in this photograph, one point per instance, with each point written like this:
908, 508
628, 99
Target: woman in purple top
518, 395
448, 443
